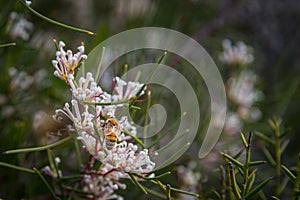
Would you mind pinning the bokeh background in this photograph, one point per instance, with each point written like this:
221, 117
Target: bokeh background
29, 93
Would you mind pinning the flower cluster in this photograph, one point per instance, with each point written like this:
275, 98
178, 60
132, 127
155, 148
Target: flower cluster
189, 177
242, 92
241, 86
94, 114
19, 27
66, 63
236, 55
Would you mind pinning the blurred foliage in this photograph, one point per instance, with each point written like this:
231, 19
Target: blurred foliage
270, 27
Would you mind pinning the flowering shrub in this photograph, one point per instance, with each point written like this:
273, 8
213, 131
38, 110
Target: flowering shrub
91, 149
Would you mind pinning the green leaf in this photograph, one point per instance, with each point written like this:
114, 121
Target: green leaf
17, 167
284, 145
284, 133
46, 183
284, 184
250, 181
234, 161
244, 140
137, 183
55, 22
235, 188
7, 45
255, 163
39, 148
273, 197
217, 194
257, 188
269, 156
288, 173
264, 138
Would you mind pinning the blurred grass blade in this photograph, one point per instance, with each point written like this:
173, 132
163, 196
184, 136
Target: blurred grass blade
184, 192
135, 138
257, 189
269, 156
156, 194
288, 173
100, 64
235, 188
39, 148
55, 22
234, 161
238, 154
133, 99
137, 183
217, 194
177, 121
45, 182
284, 146
183, 148
7, 45
250, 181
276, 198
264, 137
284, 184
284, 133
17, 167
244, 140
255, 163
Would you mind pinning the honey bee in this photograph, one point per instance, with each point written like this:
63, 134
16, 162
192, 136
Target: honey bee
111, 140
111, 124
111, 128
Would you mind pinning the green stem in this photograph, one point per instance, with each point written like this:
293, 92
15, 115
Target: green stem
135, 138
39, 148
108, 103
234, 185
100, 64
147, 117
55, 22
277, 160
246, 165
56, 168
17, 167
78, 153
297, 180
7, 45
137, 183
167, 131
46, 183
143, 87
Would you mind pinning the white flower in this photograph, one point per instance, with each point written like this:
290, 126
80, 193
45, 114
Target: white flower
19, 27
66, 63
236, 55
126, 158
87, 89
242, 89
233, 124
132, 88
27, 2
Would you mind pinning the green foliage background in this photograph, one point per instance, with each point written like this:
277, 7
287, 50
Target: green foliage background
271, 27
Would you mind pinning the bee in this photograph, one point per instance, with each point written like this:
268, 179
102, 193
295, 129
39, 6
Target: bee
111, 130
111, 124
111, 140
